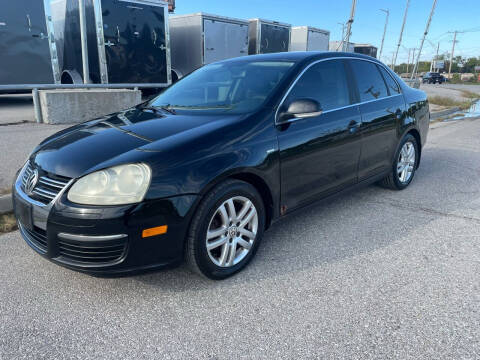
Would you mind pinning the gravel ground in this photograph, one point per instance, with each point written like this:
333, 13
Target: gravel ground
373, 274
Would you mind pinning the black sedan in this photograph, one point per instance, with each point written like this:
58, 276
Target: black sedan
201, 171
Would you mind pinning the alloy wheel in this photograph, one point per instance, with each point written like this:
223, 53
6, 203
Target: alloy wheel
232, 231
406, 162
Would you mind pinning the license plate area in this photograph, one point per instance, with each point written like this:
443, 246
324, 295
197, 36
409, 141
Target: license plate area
23, 212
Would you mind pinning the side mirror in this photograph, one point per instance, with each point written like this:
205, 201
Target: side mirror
300, 109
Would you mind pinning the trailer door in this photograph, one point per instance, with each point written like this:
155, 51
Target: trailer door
135, 42
317, 41
224, 40
24, 47
274, 38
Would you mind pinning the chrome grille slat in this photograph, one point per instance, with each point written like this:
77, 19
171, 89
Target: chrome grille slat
43, 192
52, 183
47, 188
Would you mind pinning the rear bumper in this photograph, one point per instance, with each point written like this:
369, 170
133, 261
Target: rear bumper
105, 240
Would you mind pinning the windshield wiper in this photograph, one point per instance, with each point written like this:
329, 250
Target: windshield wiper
200, 107
156, 109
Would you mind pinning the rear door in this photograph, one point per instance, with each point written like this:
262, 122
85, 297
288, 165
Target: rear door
135, 43
24, 48
317, 41
319, 155
382, 108
224, 40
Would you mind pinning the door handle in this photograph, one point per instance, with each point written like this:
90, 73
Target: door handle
29, 23
154, 34
353, 126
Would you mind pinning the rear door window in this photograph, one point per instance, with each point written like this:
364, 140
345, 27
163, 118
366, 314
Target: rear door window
392, 85
371, 85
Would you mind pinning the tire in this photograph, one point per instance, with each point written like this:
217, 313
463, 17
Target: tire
220, 261
395, 179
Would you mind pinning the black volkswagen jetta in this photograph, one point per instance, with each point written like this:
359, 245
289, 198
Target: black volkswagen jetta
203, 169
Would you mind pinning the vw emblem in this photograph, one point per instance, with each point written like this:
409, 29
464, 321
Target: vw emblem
232, 231
31, 182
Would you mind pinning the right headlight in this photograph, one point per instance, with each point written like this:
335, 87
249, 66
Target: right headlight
118, 185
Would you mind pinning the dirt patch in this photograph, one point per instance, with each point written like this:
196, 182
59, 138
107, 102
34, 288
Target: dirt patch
7, 223
4, 191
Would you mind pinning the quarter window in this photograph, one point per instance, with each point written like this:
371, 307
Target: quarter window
325, 82
369, 80
391, 83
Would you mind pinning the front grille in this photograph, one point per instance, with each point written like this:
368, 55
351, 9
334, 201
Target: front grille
48, 185
92, 253
37, 237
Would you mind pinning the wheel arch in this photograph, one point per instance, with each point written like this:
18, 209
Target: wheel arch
416, 134
257, 181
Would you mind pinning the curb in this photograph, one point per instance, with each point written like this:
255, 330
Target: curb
438, 114
6, 204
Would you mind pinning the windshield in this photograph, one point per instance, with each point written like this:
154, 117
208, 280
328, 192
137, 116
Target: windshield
231, 87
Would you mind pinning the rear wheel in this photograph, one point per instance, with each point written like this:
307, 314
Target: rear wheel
226, 230
404, 165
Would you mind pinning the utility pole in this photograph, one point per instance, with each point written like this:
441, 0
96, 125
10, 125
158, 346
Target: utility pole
401, 31
349, 25
408, 61
415, 68
413, 56
451, 55
384, 31
393, 57
435, 58
343, 35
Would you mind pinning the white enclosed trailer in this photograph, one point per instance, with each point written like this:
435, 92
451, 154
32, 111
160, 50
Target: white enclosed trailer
307, 38
200, 39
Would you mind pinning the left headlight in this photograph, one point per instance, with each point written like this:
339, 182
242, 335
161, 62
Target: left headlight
118, 185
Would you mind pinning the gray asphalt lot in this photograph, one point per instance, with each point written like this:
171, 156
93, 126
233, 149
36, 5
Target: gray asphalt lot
372, 274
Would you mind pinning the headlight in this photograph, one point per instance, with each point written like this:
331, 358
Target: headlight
124, 184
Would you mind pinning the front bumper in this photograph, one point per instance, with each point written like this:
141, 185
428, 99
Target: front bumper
104, 240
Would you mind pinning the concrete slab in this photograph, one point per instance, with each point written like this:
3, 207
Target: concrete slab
79, 105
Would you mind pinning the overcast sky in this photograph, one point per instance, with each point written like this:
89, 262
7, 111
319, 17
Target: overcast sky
369, 20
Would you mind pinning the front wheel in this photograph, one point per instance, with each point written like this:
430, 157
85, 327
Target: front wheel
226, 230
404, 165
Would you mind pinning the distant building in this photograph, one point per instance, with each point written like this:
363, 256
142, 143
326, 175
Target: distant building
366, 49
337, 46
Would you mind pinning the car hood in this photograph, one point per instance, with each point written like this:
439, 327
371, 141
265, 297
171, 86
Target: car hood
85, 147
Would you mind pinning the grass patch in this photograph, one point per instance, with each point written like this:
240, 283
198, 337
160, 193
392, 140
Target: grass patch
449, 102
7, 223
470, 95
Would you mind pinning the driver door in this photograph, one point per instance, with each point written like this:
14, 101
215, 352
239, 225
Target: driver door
320, 155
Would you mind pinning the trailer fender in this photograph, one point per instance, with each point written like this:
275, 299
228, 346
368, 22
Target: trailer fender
71, 77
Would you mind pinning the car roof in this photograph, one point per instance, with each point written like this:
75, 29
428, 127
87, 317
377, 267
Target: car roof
299, 56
